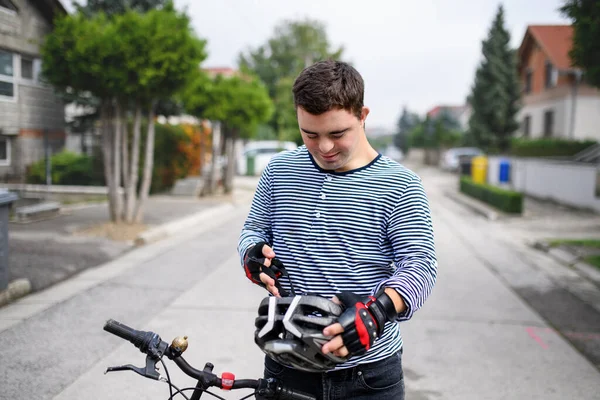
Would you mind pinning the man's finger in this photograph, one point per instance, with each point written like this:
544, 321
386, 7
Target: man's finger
274, 291
334, 344
268, 252
343, 352
266, 279
332, 330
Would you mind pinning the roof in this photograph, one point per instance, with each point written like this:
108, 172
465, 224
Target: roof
225, 71
50, 8
456, 111
555, 41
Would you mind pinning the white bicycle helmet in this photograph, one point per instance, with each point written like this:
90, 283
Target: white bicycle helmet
290, 331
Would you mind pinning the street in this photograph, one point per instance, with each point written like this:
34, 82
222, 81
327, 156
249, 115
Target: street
500, 323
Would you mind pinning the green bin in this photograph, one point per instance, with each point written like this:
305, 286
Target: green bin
250, 165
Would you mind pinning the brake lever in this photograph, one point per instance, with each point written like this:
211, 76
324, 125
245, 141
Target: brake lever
149, 371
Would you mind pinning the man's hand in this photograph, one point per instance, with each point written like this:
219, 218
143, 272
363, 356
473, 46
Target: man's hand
362, 321
258, 257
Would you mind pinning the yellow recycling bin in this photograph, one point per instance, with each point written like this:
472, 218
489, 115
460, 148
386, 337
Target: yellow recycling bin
479, 166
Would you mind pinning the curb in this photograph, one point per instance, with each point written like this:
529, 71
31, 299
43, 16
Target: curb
15, 290
475, 206
570, 260
22, 287
171, 228
24, 308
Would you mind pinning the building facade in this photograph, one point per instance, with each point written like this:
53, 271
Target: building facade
556, 101
32, 117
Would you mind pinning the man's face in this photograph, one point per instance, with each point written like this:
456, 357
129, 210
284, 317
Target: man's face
333, 138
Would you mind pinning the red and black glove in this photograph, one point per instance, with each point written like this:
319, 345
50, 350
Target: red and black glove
363, 319
254, 264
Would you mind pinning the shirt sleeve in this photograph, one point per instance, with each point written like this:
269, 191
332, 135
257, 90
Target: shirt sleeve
410, 231
257, 227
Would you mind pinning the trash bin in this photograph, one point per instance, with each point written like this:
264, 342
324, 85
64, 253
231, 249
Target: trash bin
6, 200
504, 173
464, 163
479, 169
250, 165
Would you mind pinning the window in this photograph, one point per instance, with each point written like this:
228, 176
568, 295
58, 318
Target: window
27, 68
4, 150
7, 4
7, 86
548, 123
526, 126
528, 76
551, 75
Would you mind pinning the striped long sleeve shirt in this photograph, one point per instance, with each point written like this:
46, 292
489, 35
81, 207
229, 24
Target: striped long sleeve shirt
356, 231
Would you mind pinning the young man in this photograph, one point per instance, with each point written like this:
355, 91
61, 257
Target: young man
346, 223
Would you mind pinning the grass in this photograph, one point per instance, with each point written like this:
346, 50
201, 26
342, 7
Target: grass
590, 243
593, 260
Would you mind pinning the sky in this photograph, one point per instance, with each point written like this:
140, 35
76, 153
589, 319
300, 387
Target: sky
413, 53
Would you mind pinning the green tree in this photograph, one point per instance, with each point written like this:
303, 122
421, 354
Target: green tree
585, 52
407, 122
240, 103
293, 46
130, 58
496, 90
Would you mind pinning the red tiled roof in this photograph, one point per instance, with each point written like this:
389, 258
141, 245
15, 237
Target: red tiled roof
434, 112
556, 41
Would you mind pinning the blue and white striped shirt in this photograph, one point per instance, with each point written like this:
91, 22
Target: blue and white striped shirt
347, 231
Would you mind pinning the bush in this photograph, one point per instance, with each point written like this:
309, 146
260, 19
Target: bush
548, 147
504, 200
67, 168
176, 155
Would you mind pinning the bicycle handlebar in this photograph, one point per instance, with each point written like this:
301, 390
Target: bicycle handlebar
155, 348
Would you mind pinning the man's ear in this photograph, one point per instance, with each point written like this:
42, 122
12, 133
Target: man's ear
363, 115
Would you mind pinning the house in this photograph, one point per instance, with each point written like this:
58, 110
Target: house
30, 114
460, 114
556, 101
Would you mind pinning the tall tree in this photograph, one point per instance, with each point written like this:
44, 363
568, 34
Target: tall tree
585, 52
240, 103
407, 122
129, 58
293, 46
495, 93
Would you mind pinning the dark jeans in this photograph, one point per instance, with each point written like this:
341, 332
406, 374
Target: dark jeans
381, 380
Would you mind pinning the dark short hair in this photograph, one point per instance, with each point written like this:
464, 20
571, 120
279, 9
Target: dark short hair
328, 85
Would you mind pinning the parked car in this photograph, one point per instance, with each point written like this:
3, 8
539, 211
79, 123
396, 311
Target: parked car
261, 152
451, 159
394, 153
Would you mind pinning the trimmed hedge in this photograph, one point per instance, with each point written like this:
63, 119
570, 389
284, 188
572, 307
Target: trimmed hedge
67, 168
504, 200
548, 147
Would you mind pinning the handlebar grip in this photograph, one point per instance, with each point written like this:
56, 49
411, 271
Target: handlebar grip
289, 394
124, 332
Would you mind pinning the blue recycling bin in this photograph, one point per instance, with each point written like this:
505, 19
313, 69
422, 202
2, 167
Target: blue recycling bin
504, 176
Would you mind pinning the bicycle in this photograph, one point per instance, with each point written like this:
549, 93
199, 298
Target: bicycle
155, 349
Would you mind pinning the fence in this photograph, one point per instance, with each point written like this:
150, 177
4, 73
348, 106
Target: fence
570, 183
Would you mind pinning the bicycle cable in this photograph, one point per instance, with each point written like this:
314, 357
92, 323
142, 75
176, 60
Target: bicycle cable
171, 386
180, 391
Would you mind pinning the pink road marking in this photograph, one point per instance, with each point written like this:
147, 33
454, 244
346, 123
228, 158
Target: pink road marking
531, 331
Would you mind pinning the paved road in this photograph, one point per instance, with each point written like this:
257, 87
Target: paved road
476, 338
47, 252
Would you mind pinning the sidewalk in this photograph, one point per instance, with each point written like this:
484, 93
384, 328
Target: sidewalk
44, 253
